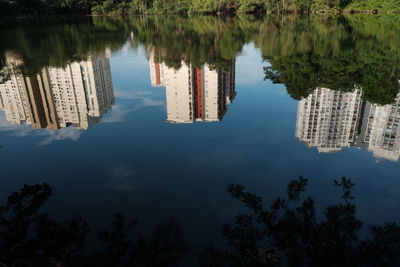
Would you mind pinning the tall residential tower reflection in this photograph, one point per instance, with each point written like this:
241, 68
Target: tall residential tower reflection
331, 120
78, 94
194, 94
327, 119
381, 129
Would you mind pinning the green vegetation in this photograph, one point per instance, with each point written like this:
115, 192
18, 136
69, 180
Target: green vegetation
336, 53
197, 40
59, 42
301, 52
113, 7
242, 6
374, 5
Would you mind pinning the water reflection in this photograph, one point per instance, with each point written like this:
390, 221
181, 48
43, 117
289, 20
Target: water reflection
288, 232
194, 93
331, 120
80, 93
148, 169
68, 80
77, 94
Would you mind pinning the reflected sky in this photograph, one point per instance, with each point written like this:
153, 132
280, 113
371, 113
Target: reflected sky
102, 137
75, 97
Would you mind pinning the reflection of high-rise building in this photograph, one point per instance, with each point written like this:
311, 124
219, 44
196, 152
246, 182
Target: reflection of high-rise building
331, 120
194, 94
382, 130
327, 119
78, 95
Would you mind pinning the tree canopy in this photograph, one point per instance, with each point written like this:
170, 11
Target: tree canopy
75, 7
302, 52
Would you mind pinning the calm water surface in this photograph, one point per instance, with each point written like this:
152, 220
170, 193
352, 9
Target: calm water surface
154, 117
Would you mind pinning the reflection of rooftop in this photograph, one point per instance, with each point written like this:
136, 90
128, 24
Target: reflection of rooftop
194, 94
384, 153
55, 98
328, 150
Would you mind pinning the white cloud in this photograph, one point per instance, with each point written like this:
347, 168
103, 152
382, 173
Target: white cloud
117, 114
121, 110
146, 98
70, 133
50, 136
15, 129
140, 99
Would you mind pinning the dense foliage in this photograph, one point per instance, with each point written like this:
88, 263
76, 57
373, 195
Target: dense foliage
340, 54
303, 53
74, 7
374, 5
59, 42
214, 6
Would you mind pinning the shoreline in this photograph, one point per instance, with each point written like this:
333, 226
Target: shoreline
223, 13
261, 12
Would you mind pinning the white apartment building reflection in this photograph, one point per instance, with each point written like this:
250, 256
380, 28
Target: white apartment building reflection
331, 120
381, 130
194, 94
78, 95
327, 119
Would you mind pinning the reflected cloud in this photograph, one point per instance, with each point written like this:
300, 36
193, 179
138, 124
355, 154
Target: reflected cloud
145, 99
118, 114
69, 133
17, 130
120, 111
121, 176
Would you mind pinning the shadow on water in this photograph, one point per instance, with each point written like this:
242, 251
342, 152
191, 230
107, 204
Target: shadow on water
287, 232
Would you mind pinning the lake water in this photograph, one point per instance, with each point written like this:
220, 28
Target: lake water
154, 117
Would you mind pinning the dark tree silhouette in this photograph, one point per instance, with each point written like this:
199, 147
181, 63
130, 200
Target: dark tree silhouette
285, 234
29, 237
288, 232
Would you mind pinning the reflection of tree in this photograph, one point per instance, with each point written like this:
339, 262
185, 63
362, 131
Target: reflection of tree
29, 237
196, 41
339, 54
283, 234
302, 73
59, 42
291, 235
165, 247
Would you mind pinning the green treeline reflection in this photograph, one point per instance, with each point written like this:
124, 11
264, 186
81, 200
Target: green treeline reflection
337, 52
57, 43
340, 54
